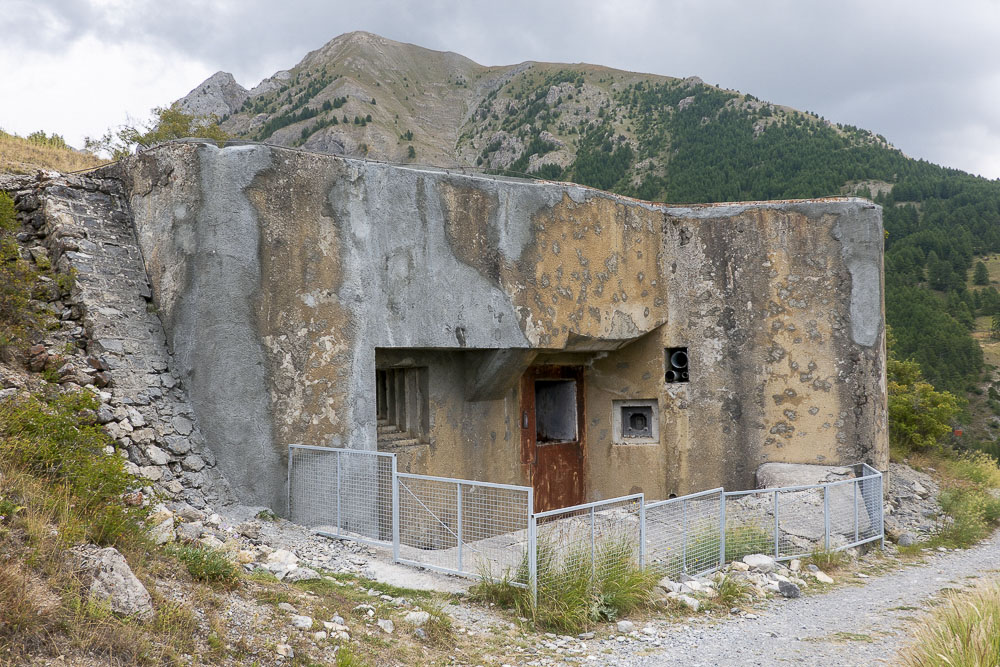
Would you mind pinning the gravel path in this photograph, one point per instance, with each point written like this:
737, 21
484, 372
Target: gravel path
851, 625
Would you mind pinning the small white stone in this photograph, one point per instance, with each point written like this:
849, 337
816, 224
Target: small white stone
284, 650
386, 624
821, 576
795, 565
319, 636
625, 627
417, 618
760, 562
302, 622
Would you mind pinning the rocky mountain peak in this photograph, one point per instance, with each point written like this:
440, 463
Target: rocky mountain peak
219, 94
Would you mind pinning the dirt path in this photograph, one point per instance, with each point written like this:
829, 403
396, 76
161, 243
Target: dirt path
864, 624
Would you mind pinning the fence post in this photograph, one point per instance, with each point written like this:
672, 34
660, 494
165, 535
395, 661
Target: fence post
395, 512
881, 510
855, 485
533, 556
826, 517
777, 528
593, 544
642, 531
288, 490
458, 486
722, 530
340, 464
684, 538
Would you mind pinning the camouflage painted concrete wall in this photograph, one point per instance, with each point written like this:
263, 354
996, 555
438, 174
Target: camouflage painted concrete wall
279, 273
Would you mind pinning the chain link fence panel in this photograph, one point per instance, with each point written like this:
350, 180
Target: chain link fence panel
342, 493
682, 534
464, 527
578, 549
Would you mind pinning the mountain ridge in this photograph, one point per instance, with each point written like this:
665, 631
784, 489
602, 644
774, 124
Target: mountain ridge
649, 136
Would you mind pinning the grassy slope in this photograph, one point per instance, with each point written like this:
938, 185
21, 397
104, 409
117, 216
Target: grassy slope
20, 156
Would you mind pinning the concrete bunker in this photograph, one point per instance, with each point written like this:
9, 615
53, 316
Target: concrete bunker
547, 334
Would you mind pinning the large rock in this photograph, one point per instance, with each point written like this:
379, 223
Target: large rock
760, 562
109, 579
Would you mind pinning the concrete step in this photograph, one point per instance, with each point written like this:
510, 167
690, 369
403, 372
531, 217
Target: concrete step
396, 445
392, 436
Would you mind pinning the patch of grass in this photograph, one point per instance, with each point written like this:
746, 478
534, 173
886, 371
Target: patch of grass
732, 592
385, 589
267, 515
347, 658
574, 591
827, 560
974, 512
965, 630
207, 565
439, 629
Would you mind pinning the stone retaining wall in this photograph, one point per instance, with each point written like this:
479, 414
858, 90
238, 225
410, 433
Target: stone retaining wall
82, 226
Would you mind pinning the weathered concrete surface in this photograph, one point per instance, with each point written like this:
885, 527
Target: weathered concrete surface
279, 274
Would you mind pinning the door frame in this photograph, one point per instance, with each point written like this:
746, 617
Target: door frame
529, 435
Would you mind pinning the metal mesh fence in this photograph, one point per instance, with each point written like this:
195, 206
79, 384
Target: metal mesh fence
343, 493
682, 534
464, 527
579, 549
483, 529
797, 521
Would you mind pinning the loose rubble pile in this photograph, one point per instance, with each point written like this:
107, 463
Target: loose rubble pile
912, 512
762, 575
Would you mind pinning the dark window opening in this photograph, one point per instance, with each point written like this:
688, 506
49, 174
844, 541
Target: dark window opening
677, 364
555, 411
401, 404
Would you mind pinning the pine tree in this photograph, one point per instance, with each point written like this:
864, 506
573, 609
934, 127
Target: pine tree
981, 275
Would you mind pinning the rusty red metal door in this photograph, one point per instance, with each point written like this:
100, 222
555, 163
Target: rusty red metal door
552, 434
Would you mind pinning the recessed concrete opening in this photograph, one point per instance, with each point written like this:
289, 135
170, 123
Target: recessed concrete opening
635, 422
555, 410
401, 398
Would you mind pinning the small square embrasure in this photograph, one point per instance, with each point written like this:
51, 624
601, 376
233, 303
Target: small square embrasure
637, 421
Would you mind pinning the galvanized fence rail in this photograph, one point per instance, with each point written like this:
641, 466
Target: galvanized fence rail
463, 527
483, 529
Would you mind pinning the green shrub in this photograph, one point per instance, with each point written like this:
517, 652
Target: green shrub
207, 565
973, 510
18, 280
56, 440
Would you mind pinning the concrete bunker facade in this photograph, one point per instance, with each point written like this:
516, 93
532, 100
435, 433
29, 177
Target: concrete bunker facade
537, 333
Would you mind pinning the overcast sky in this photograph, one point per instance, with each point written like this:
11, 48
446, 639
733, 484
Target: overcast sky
924, 74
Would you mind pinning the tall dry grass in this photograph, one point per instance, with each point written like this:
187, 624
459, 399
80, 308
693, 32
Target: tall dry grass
18, 155
965, 632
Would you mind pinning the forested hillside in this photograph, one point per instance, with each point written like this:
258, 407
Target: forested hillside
653, 137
